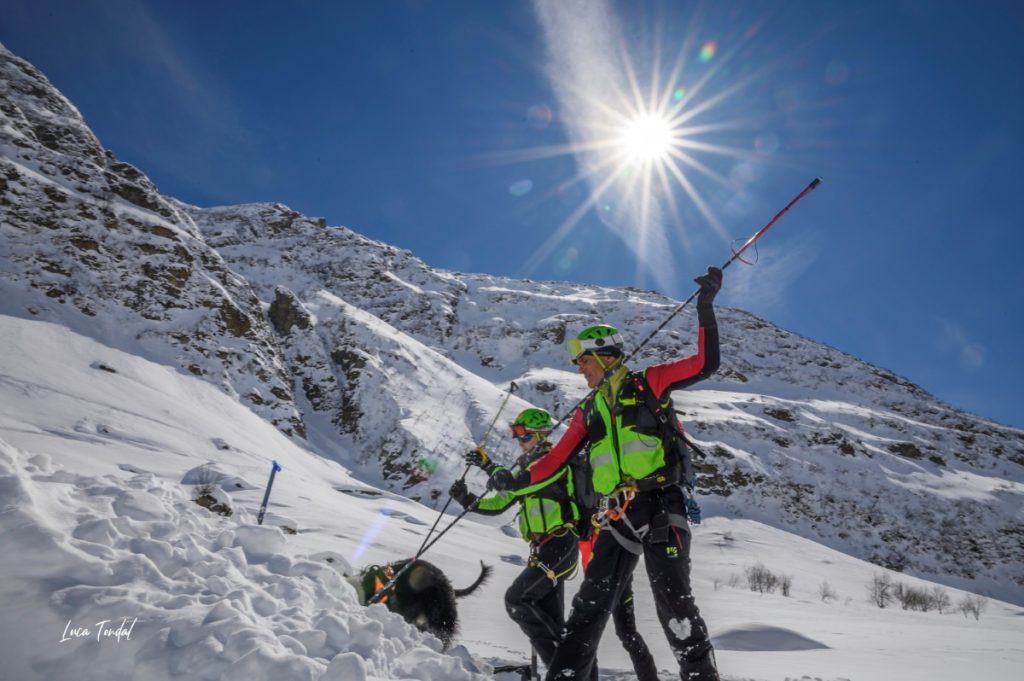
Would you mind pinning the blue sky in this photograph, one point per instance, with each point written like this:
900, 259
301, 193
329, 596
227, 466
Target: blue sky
485, 136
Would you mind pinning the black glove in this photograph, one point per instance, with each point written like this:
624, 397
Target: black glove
460, 493
710, 284
478, 457
502, 480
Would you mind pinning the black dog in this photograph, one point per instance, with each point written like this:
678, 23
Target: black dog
422, 594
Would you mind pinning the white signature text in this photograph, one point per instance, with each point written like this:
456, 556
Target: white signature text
104, 629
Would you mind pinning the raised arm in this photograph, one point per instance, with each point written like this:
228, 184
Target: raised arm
682, 373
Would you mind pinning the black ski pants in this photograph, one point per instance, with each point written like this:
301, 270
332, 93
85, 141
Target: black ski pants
664, 541
624, 619
535, 602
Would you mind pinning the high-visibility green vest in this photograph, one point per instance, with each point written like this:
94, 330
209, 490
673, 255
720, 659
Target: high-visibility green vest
626, 446
546, 506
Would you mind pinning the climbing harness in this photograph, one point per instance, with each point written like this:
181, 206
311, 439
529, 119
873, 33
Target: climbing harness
550, 573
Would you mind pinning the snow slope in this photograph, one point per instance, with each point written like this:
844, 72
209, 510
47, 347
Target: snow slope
97, 527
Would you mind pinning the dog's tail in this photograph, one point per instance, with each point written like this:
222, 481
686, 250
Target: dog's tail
485, 573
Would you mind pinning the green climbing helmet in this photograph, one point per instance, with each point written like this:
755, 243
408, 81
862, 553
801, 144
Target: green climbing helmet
531, 421
601, 339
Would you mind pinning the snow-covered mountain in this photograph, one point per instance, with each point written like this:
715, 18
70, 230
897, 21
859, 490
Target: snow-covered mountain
365, 354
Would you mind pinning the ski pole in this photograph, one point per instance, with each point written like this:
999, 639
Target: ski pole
483, 440
427, 543
736, 254
266, 495
433, 541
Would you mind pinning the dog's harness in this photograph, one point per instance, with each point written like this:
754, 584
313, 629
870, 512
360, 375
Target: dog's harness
381, 576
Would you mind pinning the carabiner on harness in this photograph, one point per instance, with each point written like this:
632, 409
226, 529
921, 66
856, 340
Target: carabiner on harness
621, 498
551, 574
535, 547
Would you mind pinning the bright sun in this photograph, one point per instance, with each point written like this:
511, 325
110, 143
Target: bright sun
647, 138
645, 148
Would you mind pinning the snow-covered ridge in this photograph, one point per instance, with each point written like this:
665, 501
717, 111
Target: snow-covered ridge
91, 243
394, 368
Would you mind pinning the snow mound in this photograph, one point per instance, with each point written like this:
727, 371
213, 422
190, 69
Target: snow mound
211, 475
119, 559
760, 637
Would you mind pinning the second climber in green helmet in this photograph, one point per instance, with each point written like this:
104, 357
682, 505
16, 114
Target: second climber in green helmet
547, 519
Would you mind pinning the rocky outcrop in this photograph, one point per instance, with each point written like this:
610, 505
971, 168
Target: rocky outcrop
88, 236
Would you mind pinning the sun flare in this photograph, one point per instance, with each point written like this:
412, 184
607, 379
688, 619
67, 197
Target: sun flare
647, 138
657, 142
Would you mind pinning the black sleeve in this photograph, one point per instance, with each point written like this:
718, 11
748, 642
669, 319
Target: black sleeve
712, 357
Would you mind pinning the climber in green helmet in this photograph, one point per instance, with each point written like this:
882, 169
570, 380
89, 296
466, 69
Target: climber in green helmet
634, 444
536, 603
548, 516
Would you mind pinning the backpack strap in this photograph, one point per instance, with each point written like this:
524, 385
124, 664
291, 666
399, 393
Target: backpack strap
672, 431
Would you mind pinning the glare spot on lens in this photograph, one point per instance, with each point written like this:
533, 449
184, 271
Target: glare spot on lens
521, 187
539, 116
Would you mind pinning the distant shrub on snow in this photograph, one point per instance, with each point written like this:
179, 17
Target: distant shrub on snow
972, 604
912, 597
883, 591
940, 599
763, 580
880, 590
826, 592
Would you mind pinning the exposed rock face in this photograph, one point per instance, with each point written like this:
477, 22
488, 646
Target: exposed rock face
400, 367
86, 234
287, 311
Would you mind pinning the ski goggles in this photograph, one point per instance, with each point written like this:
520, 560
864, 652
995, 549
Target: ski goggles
579, 347
520, 432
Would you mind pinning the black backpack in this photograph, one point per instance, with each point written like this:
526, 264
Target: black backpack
678, 447
585, 496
